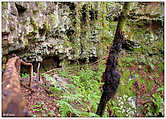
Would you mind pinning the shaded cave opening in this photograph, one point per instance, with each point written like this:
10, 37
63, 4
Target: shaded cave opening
53, 62
47, 64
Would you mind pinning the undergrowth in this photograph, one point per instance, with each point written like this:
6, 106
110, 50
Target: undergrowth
139, 78
82, 97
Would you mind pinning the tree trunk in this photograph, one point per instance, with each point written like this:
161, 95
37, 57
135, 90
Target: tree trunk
111, 76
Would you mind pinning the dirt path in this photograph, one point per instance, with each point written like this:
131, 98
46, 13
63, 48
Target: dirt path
39, 103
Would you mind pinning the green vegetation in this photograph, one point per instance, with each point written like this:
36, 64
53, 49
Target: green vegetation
41, 107
141, 89
93, 25
4, 4
25, 75
81, 96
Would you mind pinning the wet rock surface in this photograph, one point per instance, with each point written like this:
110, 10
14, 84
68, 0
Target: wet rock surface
36, 30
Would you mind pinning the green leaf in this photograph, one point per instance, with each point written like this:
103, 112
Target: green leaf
160, 89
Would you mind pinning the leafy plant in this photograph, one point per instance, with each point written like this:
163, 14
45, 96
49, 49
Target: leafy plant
39, 107
51, 113
123, 106
25, 75
63, 73
156, 106
83, 96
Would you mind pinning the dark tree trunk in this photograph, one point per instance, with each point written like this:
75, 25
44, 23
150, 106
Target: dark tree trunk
111, 76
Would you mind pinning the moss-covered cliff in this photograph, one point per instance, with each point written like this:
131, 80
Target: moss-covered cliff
68, 32
37, 30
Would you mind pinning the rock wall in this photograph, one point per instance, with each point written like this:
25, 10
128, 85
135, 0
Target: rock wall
67, 32
37, 30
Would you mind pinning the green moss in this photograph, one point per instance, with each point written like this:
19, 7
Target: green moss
42, 4
64, 63
25, 42
42, 70
67, 43
46, 25
4, 4
124, 13
35, 12
49, 27
33, 24
4, 59
31, 36
52, 17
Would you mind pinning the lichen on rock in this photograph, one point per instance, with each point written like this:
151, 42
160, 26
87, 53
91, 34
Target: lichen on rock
36, 30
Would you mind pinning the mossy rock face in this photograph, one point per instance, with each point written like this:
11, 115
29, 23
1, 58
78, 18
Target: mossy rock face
45, 29
41, 28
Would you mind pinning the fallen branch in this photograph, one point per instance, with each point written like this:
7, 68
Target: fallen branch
24, 85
